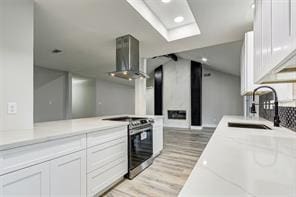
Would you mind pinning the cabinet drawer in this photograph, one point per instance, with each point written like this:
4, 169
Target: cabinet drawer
103, 154
17, 158
100, 179
104, 136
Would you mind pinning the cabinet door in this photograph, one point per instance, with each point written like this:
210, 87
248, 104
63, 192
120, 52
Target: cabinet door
293, 22
258, 41
266, 36
160, 130
157, 140
68, 175
282, 27
28, 182
243, 70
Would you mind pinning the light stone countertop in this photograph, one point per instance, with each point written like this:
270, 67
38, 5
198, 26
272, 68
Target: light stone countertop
240, 162
47, 131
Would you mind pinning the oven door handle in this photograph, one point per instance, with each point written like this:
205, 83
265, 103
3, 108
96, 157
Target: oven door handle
136, 131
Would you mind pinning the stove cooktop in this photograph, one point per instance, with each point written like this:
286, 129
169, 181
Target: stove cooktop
125, 119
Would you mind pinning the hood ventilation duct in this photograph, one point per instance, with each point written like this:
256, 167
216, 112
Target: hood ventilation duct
127, 59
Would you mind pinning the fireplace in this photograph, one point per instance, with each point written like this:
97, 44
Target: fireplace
177, 114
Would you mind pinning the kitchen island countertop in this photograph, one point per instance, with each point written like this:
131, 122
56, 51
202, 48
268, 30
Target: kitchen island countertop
239, 162
46, 131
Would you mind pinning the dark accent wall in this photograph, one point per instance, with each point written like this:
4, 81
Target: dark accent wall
196, 93
158, 90
287, 114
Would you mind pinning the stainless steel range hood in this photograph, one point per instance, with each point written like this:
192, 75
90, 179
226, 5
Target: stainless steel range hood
127, 59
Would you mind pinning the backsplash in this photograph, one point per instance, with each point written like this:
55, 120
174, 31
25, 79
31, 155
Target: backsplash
287, 114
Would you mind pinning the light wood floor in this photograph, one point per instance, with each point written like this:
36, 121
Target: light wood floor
170, 170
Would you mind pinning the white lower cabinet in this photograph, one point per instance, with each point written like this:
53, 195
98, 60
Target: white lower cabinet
56, 168
68, 175
157, 136
61, 177
101, 178
107, 159
68, 167
33, 181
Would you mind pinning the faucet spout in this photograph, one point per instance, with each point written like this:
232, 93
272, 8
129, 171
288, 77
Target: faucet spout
276, 120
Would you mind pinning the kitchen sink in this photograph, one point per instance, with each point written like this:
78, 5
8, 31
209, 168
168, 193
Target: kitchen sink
248, 126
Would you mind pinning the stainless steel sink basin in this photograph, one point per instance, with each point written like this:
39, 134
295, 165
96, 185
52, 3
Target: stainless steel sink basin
248, 126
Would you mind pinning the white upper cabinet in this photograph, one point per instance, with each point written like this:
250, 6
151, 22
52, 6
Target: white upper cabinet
266, 35
275, 38
247, 64
293, 22
282, 36
257, 41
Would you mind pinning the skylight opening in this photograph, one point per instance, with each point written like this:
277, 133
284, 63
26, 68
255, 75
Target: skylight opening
172, 19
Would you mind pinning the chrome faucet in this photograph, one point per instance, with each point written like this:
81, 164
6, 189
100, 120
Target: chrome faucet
276, 120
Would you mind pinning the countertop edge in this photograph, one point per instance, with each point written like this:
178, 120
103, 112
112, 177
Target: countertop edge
60, 134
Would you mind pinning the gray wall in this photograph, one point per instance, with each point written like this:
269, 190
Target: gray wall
83, 97
59, 95
49, 94
221, 96
113, 98
16, 63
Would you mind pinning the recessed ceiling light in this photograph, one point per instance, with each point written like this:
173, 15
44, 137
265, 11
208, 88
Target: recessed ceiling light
179, 19
204, 59
165, 1
112, 74
125, 72
130, 79
253, 6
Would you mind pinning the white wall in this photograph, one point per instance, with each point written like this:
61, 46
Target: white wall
114, 98
83, 97
50, 94
16, 64
176, 91
221, 96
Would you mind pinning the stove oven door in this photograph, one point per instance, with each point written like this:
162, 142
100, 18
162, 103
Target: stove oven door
140, 146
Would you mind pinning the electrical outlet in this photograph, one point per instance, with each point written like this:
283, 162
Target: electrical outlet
11, 108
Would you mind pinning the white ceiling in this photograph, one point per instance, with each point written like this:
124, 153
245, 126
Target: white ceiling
86, 30
223, 57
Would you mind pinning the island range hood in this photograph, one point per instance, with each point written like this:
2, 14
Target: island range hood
127, 59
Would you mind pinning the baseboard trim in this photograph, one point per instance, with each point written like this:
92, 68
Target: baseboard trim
210, 126
175, 126
196, 127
